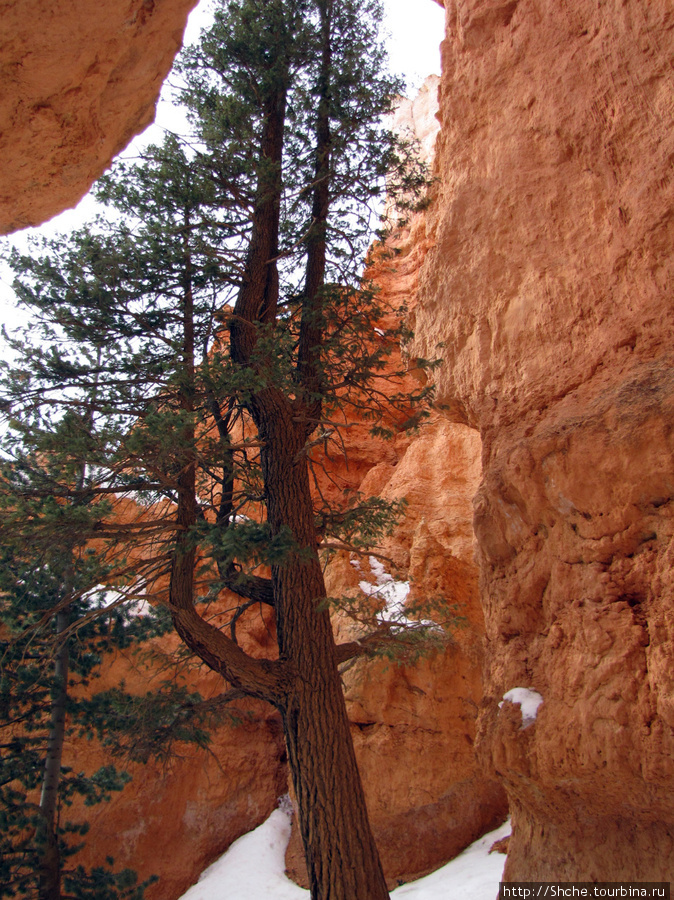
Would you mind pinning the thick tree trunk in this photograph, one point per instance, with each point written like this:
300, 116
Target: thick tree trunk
342, 858
341, 855
49, 875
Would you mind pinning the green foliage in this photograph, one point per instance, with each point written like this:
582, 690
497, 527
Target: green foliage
362, 521
45, 566
161, 721
132, 442
101, 883
402, 633
56, 589
130, 312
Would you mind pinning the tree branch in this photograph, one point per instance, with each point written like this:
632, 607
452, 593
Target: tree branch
365, 646
261, 678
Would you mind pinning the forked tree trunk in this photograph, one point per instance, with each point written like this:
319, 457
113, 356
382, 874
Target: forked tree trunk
304, 684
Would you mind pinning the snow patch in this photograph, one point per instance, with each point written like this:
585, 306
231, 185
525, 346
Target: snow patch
139, 608
393, 593
102, 597
253, 869
528, 701
472, 875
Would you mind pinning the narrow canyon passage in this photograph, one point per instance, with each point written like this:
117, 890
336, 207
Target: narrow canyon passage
541, 271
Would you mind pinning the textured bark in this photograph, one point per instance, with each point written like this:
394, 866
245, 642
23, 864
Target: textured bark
341, 854
311, 329
258, 297
49, 875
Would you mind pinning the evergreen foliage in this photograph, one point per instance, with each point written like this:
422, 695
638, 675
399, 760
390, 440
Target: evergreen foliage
50, 644
195, 351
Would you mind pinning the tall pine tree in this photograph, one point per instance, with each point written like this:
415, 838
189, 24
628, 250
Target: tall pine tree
214, 334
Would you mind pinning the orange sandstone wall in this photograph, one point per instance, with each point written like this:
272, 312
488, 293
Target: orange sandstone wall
79, 80
550, 283
415, 726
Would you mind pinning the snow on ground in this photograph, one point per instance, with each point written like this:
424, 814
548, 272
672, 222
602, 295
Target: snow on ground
253, 869
528, 701
472, 875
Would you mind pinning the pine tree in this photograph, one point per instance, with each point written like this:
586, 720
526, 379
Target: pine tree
216, 333
49, 643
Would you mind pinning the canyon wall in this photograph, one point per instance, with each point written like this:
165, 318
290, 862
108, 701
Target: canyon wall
79, 80
543, 275
550, 287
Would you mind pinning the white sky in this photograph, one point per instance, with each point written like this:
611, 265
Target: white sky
416, 28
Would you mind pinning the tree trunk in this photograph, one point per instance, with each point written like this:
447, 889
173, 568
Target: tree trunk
49, 874
341, 855
342, 858
50, 864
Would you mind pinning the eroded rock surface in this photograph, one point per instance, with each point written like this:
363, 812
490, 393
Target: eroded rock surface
414, 733
548, 277
79, 80
416, 117
550, 284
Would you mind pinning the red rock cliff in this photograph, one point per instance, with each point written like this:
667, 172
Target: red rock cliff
79, 80
548, 276
550, 284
